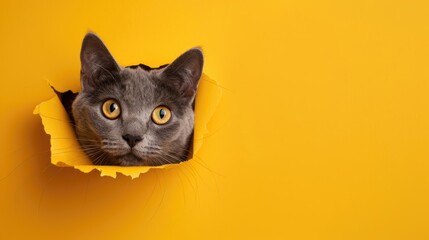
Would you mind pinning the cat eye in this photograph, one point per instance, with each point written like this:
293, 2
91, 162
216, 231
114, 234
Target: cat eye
111, 109
161, 115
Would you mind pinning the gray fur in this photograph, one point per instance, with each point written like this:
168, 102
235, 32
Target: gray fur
138, 92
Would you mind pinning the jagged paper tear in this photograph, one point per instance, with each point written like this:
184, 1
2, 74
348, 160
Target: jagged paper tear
66, 151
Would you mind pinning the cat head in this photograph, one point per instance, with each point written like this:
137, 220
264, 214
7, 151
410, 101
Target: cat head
135, 115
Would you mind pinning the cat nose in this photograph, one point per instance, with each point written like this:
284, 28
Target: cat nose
131, 139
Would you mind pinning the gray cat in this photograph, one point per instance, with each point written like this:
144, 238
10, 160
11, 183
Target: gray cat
135, 115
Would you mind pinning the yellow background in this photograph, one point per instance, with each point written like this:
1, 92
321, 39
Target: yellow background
323, 130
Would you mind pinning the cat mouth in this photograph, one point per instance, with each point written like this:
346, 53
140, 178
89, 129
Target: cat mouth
136, 157
131, 159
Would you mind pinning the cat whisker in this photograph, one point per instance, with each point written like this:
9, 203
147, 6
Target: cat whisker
200, 162
61, 120
88, 153
152, 148
79, 147
99, 159
77, 139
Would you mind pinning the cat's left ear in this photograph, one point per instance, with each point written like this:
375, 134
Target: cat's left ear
185, 72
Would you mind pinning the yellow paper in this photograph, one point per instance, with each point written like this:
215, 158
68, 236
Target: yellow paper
65, 149
322, 131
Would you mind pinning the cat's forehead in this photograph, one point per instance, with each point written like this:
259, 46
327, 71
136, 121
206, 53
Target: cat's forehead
142, 87
139, 78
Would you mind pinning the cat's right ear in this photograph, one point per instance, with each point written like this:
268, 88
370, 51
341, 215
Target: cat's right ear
97, 64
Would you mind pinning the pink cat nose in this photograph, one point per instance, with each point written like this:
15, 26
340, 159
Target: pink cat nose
131, 139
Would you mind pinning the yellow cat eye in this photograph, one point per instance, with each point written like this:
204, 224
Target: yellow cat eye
111, 109
161, 115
